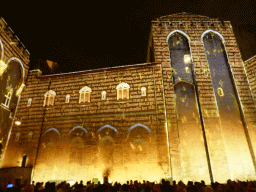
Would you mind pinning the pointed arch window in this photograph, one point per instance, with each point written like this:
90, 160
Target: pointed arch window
29, 102
85, 94
103, 95
67, 98
49, 97
123, 91
143, 91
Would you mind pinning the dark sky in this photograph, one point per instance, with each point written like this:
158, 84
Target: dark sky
81, 35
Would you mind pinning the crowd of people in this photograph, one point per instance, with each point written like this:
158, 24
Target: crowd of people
130, 186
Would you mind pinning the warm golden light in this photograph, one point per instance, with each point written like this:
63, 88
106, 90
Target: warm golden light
17, 122
187, 58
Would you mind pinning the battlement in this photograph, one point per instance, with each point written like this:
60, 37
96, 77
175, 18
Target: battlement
13, 38
188, 19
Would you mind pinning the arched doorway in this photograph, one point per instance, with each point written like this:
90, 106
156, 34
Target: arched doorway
48, 154
77, 143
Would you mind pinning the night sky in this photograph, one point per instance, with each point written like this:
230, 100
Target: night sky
98, 34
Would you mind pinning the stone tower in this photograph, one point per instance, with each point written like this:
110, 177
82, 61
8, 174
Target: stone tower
187, 114
209, 105
14, 65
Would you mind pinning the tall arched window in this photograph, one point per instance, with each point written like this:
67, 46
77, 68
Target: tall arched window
222, 80
103, 95
12, 77
49, 97
186, 101
67, 98
123, 91
85, 94
143, 91
227, 100
29, 102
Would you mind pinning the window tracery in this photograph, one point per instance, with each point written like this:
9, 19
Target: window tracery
103, 95
49, 97
123, 91
143, 91
67, 98
85, 94
29, 102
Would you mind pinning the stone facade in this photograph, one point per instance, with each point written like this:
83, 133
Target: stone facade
118, 117
250, 67
14, 66
146, 137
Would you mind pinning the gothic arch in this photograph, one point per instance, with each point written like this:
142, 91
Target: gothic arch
177, 31
52, 129
78, 127
139, 125
107, 126
12, 82
49, 151
217, 33
221, 75
78, 139
179, 49
22, 67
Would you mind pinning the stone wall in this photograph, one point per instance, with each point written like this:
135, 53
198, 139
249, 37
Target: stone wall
144, 112
250, 66
194, 26
11, 49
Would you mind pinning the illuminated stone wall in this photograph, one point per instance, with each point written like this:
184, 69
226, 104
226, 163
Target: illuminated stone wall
177, 130
13, 58
250, 66
79, 141
226, 160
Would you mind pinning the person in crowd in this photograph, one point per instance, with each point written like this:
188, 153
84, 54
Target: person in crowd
135, 186
33, 186
3, 187
27, 188
18, 186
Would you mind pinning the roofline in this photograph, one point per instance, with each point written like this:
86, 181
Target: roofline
250, 58
96, 70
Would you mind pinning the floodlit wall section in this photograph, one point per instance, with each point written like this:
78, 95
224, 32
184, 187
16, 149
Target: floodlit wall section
250, 66
193, 26
125, 136
189, 124
14, 64
228, 106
